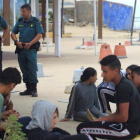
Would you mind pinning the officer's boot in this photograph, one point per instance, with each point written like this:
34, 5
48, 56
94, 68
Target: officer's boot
34, 90
28, 91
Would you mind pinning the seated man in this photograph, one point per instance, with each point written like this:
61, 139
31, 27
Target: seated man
124, 124
9, 78
42, 126
106, 91
136, 77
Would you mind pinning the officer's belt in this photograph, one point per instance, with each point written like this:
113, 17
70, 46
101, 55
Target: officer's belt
35, 46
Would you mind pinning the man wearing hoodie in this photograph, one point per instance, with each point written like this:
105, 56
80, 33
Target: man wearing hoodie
42, 126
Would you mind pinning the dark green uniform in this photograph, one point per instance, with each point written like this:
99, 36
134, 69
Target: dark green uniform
28, 58
4, 25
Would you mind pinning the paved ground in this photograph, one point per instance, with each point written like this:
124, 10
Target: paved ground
52, 88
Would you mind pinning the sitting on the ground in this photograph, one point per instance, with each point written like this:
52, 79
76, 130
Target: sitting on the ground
84, 96
42, 126
129, 70
106, 91
9, 78
136, 77
124, 124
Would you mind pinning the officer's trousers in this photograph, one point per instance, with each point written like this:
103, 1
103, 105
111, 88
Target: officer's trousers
28, 64
0, 58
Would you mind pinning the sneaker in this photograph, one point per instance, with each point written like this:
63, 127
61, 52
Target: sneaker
90, 116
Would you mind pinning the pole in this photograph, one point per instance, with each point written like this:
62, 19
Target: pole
62, 18
58, 28
47, 25
14, 13
43, 18
133, 20
95, 27
53, 21
75, 14
6, 14
100, 18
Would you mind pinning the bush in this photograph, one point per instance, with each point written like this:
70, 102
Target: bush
13, 129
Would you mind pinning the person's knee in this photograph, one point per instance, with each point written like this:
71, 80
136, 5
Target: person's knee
79, 127
24, 120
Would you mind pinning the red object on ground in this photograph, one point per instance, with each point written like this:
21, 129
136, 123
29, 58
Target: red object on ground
104, 51
120, 51
89, 43
127, 43
105, 45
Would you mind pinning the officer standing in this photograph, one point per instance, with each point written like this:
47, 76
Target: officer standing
4, 26
30, 30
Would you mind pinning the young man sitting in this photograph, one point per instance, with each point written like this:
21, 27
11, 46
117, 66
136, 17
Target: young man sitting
9, 78
124, 124
44, 119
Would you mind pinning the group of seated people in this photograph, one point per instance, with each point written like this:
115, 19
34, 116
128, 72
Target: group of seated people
87, 104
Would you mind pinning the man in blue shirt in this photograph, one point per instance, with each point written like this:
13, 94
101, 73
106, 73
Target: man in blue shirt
30, 32
5, 26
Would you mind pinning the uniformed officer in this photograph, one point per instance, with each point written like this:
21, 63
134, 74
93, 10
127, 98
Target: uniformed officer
30, 30
4, 26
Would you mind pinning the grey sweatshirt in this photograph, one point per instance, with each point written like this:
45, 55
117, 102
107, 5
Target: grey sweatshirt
83, 97
42, 115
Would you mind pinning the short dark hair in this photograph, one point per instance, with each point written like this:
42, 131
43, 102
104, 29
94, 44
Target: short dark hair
136, 70
27, 6
57, 111
131, 67
88, 72
112, 61
9, 76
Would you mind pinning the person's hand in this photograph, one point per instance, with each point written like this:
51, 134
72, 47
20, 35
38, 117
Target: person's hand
65, 120
27, 46
9, 106
15, 113
19, 44
5, 115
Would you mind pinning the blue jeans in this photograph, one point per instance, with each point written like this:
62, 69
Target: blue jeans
82, 115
